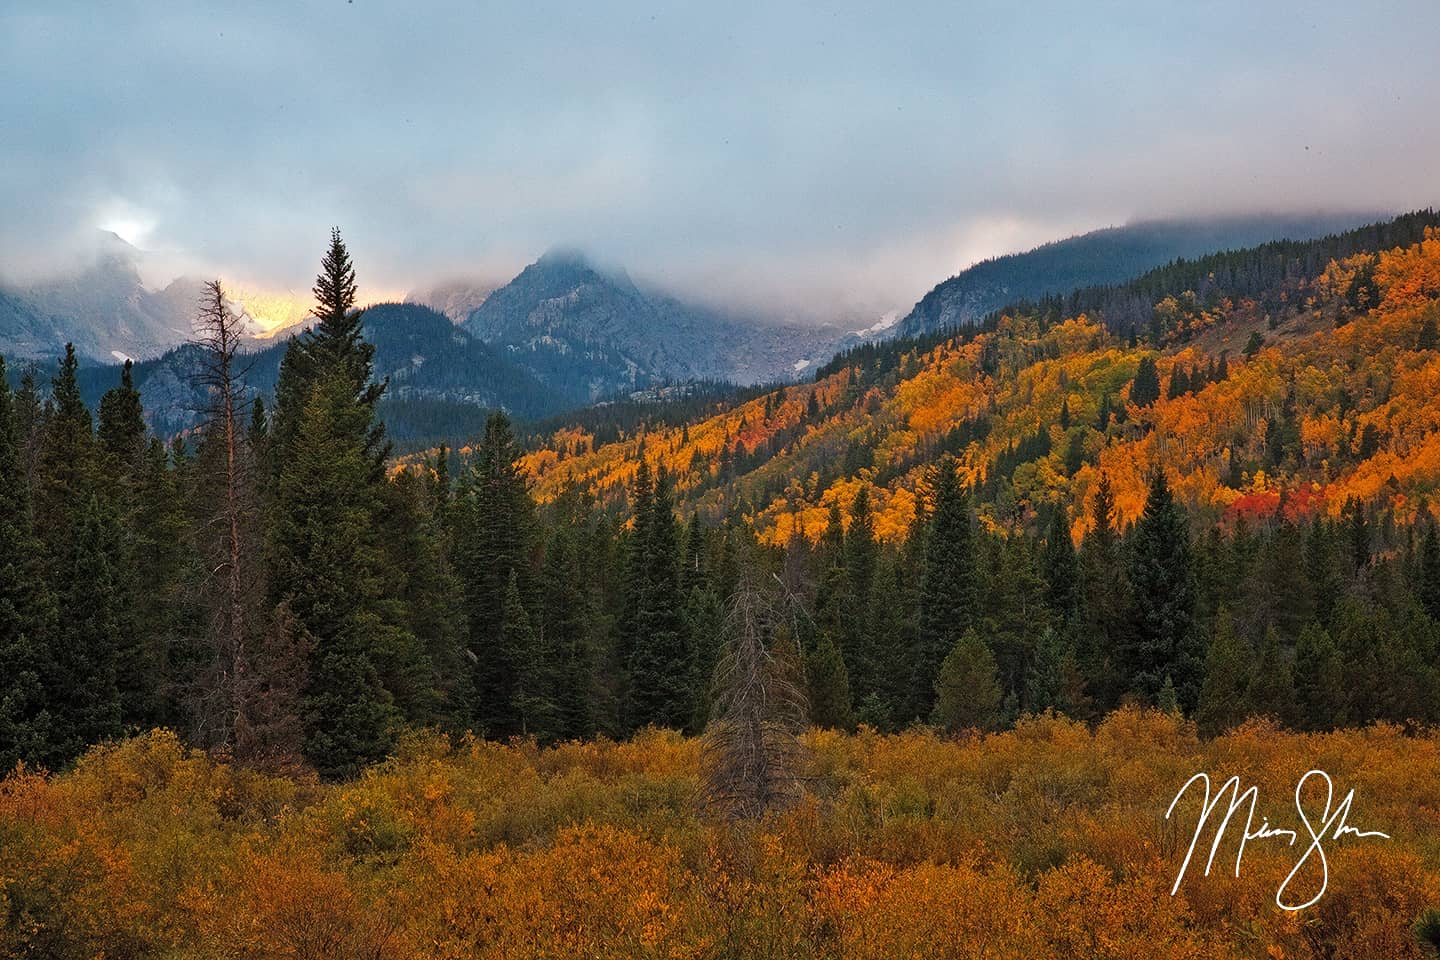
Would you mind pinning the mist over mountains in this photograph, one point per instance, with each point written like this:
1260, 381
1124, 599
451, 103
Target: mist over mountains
565, 332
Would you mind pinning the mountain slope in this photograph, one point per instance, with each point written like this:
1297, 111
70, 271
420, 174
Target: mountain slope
1101, 257
1288, 409
592, 332
442, 380
104, 309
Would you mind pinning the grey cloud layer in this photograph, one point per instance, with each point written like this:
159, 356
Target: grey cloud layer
840, 153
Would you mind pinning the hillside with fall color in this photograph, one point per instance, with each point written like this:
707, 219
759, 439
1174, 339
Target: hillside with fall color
1296, 398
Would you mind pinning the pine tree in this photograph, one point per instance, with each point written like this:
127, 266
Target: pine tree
1321, 572
1428, 573
1145, 388
83, 691
27, 611
1272, 686
1104, 601
334, 347
1065, 414
1061, 567
861, 550
566, 623
325, 568
967, 689
1048, 675
829, 686
1164, 600
661, 662
1228, 670
65, 473
122, 425
1320, 680
532, 703
496, 519
1015, 612
948, 586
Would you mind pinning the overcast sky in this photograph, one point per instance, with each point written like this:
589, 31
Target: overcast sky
844, 154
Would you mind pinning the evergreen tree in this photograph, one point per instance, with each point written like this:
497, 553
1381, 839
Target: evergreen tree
967, 689
661, 661
1272, 686
1061, 567
1228, 670
1145, 388
65, 473
566, 626
334, 348
948, 586
1164, 600
122, 425
829, 687
1321, 572
1319, 681
27, 611
83, 692
1428, 572
1015, 612
861, 550
532, 702
1104, 600
495, 518
325, 568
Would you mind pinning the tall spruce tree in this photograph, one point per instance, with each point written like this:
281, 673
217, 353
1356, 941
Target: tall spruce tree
1105, 600
1145, 388
1272, 686
567, 619
949, 586
1061, 568
325, 566
335, 347
494, 542
27, 610
661, 660
1163, 639
122, 425
83, 692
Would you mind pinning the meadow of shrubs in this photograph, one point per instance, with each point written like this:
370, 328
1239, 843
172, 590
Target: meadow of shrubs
1046, 840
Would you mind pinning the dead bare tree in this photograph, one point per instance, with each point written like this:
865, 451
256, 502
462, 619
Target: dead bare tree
752, 753
251, 652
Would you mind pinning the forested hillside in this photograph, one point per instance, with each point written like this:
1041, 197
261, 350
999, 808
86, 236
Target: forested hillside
1110, 256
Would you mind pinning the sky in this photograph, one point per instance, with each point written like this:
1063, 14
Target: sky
803, 159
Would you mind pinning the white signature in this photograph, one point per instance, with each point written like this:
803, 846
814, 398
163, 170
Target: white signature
1331, 825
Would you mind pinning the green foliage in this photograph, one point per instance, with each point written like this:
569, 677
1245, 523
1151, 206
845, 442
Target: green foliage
829, 686
1164, 600
948, 586
967, 688
660, 657
1229, 668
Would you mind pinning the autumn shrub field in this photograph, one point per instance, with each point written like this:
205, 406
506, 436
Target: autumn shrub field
1046, 840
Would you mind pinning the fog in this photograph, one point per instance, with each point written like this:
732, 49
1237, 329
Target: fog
805, 160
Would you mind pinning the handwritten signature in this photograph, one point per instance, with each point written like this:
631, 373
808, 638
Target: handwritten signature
1331, 825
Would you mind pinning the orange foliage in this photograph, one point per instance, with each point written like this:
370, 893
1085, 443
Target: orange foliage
1046, 840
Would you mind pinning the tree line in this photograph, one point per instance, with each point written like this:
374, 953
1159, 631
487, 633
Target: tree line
269, 585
